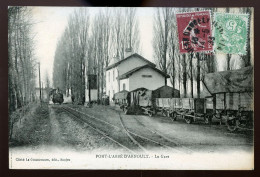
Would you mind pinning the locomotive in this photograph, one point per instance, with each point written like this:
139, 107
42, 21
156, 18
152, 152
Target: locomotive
56, 96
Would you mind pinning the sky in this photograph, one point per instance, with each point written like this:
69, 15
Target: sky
51, 22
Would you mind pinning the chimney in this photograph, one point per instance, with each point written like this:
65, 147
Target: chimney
113, 60
128, 52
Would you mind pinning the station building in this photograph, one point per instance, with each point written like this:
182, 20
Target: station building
131, 73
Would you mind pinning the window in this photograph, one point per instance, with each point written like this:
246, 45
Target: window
123, 86
109, 93
108, 76
145, 75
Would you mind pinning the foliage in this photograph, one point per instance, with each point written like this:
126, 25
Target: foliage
88, 44
21, 61
185, 68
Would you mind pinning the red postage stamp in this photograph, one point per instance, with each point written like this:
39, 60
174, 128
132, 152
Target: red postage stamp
194, 29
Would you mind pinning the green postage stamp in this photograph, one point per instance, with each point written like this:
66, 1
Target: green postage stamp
230, 33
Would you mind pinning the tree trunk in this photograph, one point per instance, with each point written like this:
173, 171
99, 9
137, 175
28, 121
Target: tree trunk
102, 78
247, 57
198, 75
165, 44
179, 73
191, 75
184, 81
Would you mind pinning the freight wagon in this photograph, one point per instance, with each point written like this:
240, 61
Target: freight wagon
232, 96
189, 109
228, 95
143, 100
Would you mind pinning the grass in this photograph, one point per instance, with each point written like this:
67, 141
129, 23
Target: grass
33, 128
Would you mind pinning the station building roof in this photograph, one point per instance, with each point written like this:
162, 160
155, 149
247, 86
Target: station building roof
136, 55
129, 73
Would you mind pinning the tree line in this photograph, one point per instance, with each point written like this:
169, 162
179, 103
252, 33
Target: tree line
21, 60
188, 70
89, 43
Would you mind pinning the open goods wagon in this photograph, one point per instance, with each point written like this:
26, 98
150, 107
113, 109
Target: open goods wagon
138, 101
228, 95
189, 109
232, 97
142, 100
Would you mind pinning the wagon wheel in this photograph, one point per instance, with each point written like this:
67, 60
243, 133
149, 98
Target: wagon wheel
233, 125
174, 115
208, 119
150, 114
188, 120
164, 113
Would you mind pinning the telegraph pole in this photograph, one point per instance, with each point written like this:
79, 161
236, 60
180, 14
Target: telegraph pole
40, 83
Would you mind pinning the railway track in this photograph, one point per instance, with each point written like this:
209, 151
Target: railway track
158, 139
167, 140
138, 144
116, 127
76, 115
129, 137
140, 138
139, 141
132, 136
129, 134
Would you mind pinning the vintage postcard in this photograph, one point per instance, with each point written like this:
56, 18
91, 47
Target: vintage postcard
131, 88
